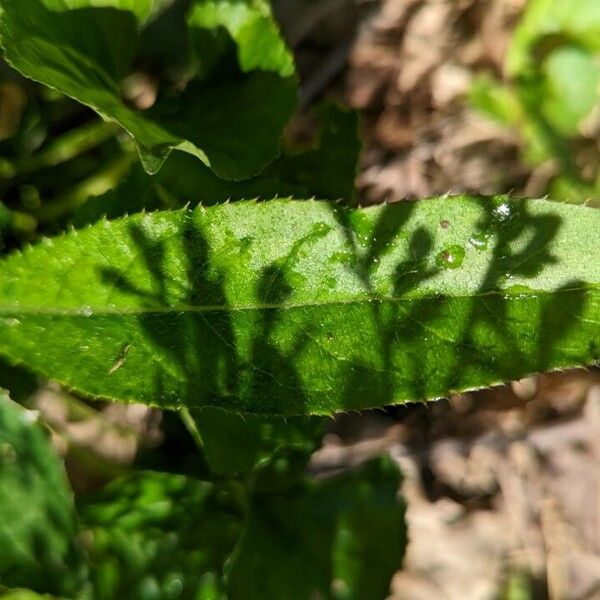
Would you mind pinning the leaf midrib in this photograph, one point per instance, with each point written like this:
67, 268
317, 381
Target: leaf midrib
189, 308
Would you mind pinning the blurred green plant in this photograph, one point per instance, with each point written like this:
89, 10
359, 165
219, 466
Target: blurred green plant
552, 94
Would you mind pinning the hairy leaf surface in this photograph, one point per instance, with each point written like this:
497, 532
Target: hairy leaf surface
291, 307
38, 545
86, 49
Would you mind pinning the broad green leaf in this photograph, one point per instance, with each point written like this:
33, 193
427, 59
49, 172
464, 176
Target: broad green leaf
158, 535
140, 8
236, 443
290, 307
325, 169
85, 49
341, 537
250, 24
39, 549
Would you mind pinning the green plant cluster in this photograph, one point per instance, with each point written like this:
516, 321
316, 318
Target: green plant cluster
551, 94
206, 279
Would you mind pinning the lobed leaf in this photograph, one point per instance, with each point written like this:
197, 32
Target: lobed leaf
552, 20
289, 307
86, 49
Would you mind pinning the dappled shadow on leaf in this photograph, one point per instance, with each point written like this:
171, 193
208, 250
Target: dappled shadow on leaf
494, 313
289, 345
433, 344
202, 343
269, 367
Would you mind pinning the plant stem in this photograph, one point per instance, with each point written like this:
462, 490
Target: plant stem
103, 180
188, 421
68, 146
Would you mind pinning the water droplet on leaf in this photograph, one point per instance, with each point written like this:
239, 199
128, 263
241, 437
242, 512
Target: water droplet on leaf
451, 257
503, 212
479, 241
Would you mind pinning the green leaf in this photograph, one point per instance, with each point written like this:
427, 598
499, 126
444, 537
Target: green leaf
23, 595
85, 49
548, 23
289, 307
495, 100
574, 74
341, 537
250, 24
158, 535
235, 443
326, 169
38, 528
170, 536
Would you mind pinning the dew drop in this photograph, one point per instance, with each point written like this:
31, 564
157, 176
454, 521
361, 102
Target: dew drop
451, 257
479, 241
502, 212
